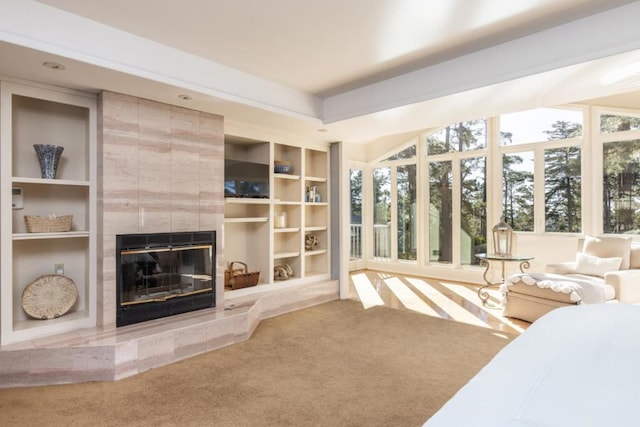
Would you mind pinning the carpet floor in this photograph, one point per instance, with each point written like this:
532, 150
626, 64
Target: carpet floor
335, 364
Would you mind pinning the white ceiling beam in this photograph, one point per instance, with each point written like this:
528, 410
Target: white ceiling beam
612, 32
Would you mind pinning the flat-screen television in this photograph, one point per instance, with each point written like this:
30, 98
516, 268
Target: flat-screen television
246, 179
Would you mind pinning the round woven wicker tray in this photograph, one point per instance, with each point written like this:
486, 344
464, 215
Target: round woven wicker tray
49, 296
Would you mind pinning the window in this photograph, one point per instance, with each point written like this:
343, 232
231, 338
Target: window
610, 123
457, 192
473, 219
540, 156
562, 189
541, 124
406, 212
382, 212
440, 210
517, 191
356, 213
546, 140
458, 137
621, 187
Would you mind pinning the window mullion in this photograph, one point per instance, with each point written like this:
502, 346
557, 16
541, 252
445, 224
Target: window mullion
456, 214
539, 190
393, 233
367, 213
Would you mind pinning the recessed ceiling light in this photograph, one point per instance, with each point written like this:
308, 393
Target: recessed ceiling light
54, 65
185, 97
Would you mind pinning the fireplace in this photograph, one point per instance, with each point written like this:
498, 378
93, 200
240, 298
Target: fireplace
163, 274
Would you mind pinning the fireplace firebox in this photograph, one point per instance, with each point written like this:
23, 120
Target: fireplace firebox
163, 274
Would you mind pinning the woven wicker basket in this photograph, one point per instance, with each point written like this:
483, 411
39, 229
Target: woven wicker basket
48, 224
236, 278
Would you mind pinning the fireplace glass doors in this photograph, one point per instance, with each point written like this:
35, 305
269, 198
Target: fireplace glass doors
164, 274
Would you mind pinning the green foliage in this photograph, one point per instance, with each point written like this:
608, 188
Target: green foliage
563, 184
517, 190
621, 186
610, 123
458, 137
440, 197
356, 194
563, 181
562, 129
474, 203
406, 209
382, 195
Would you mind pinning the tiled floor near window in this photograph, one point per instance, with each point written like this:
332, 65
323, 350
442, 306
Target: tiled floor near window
433, 297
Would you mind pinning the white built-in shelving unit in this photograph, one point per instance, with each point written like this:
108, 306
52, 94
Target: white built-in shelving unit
36, 115
252, 233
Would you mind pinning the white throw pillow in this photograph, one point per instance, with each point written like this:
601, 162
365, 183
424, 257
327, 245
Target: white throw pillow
596, 266
607, 247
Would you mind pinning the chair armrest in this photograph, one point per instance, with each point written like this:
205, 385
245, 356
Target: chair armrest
626, 283
561, 268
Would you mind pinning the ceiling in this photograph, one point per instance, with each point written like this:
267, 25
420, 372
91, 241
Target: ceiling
341, 66
327, 46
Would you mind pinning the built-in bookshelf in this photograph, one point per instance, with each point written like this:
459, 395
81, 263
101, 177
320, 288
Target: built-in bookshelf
266, 233
35, 115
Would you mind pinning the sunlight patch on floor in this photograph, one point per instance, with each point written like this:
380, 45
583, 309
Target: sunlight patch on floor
499, 335
455, 311
472, 296
367, 293
408, 298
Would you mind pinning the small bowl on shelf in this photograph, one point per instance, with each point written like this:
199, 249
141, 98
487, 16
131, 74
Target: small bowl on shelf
282, 167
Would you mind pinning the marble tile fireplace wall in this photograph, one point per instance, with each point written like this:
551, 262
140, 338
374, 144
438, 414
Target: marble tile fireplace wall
160, 169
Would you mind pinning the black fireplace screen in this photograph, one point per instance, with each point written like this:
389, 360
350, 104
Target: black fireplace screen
164, 274
159, 274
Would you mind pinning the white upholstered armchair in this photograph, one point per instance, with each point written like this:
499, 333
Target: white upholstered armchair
606, 269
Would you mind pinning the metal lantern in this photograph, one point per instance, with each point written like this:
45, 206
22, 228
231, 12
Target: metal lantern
502, 238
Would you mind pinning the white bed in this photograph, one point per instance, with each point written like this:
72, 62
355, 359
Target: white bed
575, 366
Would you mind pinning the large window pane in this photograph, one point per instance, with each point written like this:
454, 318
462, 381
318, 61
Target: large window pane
458, 137
517, 181
382, 212
541, 124
473, 210
406, 208
440, 208
621, 187
356, 213
562, 185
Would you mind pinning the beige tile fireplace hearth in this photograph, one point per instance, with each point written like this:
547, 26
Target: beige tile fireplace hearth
110, 353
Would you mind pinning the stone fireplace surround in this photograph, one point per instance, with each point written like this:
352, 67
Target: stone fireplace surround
160, 169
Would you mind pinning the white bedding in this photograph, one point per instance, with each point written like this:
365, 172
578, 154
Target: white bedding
575, 366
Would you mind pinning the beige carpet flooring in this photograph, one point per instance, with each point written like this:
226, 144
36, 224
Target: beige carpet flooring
335, 364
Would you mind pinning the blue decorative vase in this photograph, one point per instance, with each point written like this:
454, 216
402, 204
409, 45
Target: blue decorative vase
49, 156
